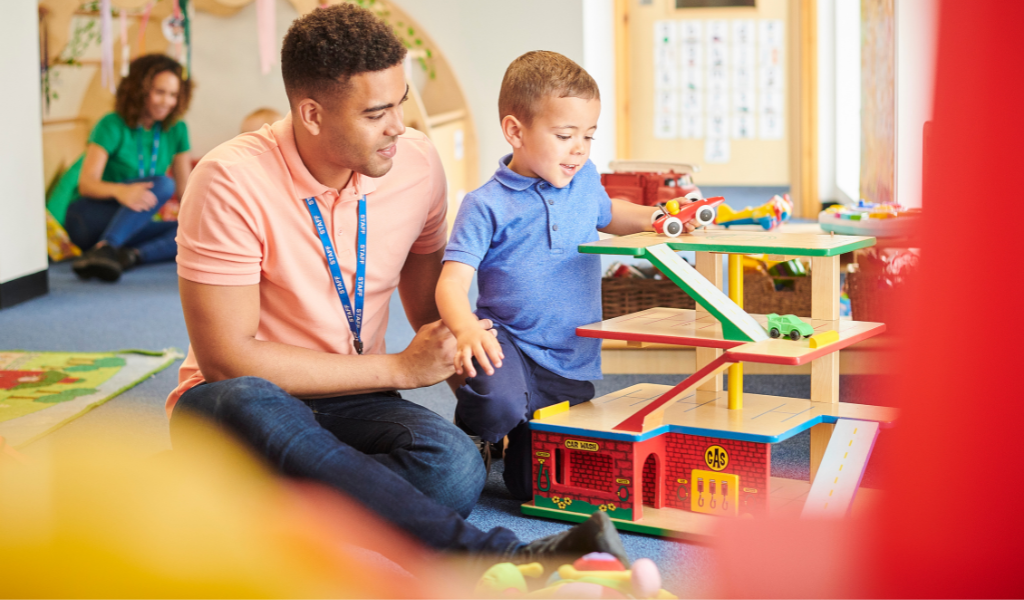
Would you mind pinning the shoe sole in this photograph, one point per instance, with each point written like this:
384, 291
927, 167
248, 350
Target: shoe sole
98, 270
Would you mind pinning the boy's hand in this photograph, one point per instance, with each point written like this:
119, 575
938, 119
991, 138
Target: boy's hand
481, 343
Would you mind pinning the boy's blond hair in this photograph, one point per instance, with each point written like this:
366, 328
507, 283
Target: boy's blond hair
538, 74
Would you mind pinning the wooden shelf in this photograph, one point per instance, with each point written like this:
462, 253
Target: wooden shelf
870, 357
763, 419
735, 242
446, 117
687, 327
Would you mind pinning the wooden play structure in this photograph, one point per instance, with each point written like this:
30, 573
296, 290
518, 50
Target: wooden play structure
668, 460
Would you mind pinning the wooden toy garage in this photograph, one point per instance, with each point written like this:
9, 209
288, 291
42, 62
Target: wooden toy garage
668, 460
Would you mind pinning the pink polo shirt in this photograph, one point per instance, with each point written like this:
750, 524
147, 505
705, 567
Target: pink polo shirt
243, 221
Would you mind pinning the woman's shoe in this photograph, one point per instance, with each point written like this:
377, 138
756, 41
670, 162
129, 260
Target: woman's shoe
128, 257
100, 262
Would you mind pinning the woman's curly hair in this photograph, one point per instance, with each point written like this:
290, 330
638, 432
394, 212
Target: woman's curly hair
130, 102
326, 47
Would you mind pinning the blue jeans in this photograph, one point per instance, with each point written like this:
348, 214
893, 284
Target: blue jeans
90, 221
400, 460
493, 406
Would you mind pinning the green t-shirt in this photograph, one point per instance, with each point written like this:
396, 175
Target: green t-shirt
123, 146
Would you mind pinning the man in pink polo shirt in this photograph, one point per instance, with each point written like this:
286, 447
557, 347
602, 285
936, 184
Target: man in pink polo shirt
291, 240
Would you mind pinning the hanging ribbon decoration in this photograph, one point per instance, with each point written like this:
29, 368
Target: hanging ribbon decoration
44, 54
265, 21
186, 23
142, 27
106, 46
126, 55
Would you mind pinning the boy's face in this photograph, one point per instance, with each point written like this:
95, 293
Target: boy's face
556, 145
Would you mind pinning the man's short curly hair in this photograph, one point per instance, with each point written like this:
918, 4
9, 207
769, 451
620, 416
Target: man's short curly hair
325, 48
538, 74
130, 101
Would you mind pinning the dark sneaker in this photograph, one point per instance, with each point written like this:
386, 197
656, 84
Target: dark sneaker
98, 262
128, 257
596, 534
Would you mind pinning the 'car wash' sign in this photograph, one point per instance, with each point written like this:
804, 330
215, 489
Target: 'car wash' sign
581, 445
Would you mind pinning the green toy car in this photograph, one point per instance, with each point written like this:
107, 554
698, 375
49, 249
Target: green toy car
788, 325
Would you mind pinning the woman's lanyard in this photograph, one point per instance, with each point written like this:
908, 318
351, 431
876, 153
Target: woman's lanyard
355, 317
156, 148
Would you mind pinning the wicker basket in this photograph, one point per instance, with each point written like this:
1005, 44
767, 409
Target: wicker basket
760, 296
624, 295
870, 299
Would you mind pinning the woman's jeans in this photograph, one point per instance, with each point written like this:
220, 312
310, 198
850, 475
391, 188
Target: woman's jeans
90, 221
402, 461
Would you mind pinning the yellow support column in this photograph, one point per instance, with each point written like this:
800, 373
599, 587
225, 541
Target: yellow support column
736, 295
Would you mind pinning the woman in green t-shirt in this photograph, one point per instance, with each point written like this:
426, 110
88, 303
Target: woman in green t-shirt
122, 181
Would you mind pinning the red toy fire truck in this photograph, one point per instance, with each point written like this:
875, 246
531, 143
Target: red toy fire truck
649, 183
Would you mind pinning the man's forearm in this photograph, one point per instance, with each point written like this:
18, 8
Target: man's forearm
306, 373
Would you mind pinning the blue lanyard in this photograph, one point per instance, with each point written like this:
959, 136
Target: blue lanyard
355, 317
156, 148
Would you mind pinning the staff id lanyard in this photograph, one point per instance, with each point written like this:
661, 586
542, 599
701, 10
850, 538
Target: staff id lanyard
355, 317
156, 148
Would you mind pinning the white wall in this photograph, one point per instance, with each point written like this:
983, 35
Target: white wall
229, 84
22, 216
847, 98
599, 60
827, 190
481, 37
916, 33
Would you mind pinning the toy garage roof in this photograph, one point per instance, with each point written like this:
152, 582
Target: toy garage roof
763, 419
725, 241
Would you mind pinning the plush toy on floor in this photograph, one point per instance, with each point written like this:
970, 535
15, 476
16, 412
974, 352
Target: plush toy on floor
596, 575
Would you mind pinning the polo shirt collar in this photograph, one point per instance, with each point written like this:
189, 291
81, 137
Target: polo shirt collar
305, 184
510, 179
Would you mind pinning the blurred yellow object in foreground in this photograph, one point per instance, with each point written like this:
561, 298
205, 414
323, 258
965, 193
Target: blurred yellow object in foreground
209, 522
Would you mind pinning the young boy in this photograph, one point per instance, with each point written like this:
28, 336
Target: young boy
520, 231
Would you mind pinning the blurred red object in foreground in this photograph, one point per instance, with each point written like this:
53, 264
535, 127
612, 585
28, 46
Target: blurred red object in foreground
951, 523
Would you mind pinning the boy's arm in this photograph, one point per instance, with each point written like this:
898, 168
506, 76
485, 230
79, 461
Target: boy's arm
452, 297
416, 287
630, 218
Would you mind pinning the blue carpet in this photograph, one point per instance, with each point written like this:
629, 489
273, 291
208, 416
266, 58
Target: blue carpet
143, 311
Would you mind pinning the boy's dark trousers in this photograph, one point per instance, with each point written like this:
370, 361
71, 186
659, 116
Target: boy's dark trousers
493, 406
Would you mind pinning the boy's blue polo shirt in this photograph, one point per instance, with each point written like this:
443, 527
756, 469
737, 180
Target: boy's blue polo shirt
521, 235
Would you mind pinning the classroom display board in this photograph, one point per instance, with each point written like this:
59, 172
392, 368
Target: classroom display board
713, 87
719, 79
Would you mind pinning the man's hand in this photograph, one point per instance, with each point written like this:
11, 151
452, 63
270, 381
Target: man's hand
137, 196
429, 357
480, 343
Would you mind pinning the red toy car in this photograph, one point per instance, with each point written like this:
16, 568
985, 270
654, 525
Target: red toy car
649, 183
674, 214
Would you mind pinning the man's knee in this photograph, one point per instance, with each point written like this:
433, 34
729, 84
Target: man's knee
219, 399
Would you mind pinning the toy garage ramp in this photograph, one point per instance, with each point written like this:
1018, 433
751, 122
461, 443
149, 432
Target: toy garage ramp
841, 469
736, 323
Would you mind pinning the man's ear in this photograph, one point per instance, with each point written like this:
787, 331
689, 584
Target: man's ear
513, 131
309, 114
